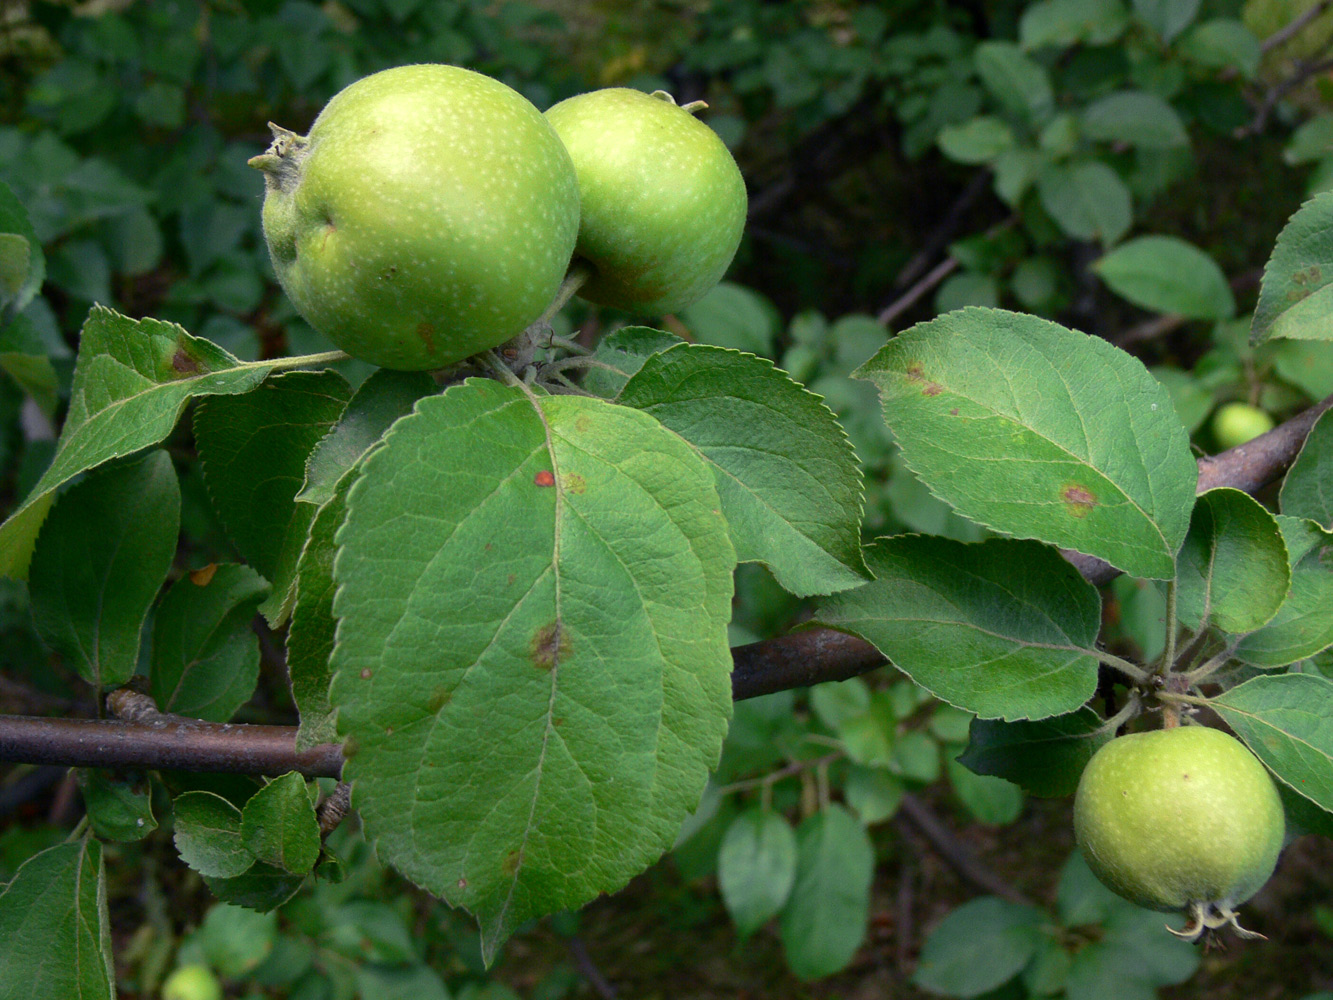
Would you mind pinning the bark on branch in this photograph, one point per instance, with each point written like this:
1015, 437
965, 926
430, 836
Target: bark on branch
798, 659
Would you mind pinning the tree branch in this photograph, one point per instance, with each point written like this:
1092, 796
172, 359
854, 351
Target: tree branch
797, 659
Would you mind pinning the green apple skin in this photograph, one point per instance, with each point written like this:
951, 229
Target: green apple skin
192, 982
1175, 817
430, 214
1235, 424
663, 201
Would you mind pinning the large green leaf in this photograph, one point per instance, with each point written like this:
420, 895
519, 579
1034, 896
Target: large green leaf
1166, 274
532, 668
824, 921
55, 927
1296, 294
785, 472
1041, 432
1287, 720
1233, 569
131, 382
1003, 628
100, 562
1307, 489
253, 451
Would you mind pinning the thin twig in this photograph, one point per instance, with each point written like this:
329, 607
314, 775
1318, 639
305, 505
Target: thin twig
916, 813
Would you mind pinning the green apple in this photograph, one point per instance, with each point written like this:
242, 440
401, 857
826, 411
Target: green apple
1180, 819
430, 214
1236, 423
192, 982
663, 201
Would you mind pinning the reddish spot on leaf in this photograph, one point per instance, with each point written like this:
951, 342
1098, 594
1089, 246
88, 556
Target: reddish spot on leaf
544, 478
203, 577
462, 883
953, 412
1078, 499
365, 673
550, 644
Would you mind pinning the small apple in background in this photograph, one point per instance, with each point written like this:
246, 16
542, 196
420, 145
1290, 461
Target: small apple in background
1236, 423
192, 982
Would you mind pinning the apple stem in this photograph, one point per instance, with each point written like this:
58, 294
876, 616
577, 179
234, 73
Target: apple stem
1169, 653
577, 276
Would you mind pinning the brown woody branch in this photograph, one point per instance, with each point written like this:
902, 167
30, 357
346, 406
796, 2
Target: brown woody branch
798, 659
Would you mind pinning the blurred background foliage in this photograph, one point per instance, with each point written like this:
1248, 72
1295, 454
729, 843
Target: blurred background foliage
1122, 166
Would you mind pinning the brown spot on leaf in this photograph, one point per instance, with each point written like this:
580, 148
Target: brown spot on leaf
953, 412
510, 581
928, 388
183, 364
582, 423
544, 478
365, 673
575, 483
462, 883
439, 699
550, 645
203, 577
511, 862
1078, 499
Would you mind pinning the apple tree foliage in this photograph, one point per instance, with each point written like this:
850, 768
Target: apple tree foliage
514, 607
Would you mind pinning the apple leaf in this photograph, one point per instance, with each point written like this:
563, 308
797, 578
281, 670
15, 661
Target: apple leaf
824, 921
785, 472
756, 867
278, 825
1166, 274
1003, 628
1045, 757
131, 382
979, 947
205, 658
623, 353
1232, 569
1287, 720
100, 562
311, 633
1135, 117
207, 833
56, 927
1307, 489
120, 805
532, 669
380, 400
253, 451
22, 265
1296, 294
1303, 625
1040, 432
1088, 200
